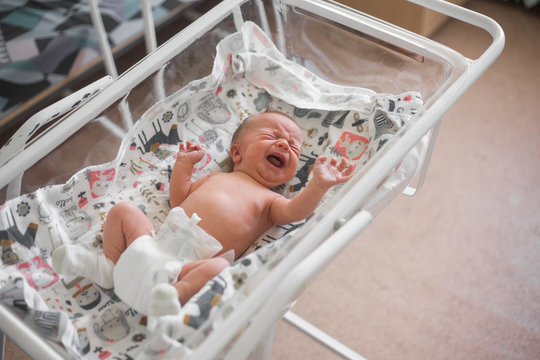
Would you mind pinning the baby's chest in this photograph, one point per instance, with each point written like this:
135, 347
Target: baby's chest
241, 201
232, 198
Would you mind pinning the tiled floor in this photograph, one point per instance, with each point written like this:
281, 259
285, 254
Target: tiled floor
452, 273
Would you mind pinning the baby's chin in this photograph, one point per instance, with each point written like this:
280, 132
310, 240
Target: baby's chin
269, 178
270, 182
278, 181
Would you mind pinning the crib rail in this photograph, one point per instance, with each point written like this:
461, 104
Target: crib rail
23, 135
274, 295
33, 344
297, 279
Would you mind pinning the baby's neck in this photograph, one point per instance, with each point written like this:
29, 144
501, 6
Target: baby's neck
243, 175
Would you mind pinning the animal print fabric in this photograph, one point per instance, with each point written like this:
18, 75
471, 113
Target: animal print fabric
249, 76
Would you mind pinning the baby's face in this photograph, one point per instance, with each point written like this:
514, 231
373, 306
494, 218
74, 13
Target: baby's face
268, 149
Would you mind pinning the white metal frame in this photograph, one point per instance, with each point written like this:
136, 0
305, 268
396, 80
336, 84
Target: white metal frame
313, 253
305, 260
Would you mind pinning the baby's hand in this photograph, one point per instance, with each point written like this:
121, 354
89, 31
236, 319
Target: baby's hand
190, 153
331, 173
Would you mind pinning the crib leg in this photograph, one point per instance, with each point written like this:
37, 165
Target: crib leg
2, 344
264, 348
322, 337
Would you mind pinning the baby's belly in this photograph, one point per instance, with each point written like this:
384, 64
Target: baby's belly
234, 224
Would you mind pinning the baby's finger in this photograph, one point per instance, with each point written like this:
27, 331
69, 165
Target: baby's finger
349, 170
346, 178
333, 162
181, 146
342, 165
321, 159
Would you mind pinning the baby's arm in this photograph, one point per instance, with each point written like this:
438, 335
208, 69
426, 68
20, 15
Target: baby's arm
188, 155
325, 175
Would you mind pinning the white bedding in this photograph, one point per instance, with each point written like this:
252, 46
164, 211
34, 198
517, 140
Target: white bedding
249, 76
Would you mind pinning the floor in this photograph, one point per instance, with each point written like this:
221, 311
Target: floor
452, 273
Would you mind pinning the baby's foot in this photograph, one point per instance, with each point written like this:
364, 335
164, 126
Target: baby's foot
163, 302
58, 256
76, 260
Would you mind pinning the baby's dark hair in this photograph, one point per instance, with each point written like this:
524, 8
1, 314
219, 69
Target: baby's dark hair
239, 129
244, 123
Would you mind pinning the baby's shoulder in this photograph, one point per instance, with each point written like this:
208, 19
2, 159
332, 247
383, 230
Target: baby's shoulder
218, 177
214, 175
204, 180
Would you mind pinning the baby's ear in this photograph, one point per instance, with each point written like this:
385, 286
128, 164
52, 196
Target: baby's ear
235, 153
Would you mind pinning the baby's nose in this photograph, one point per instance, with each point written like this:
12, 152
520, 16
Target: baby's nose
282, 144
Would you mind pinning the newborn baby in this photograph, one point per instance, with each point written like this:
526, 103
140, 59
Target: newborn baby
212, 218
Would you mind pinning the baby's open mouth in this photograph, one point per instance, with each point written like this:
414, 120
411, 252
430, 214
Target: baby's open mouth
276, 160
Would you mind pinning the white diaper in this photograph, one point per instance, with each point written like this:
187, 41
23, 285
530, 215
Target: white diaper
151, 260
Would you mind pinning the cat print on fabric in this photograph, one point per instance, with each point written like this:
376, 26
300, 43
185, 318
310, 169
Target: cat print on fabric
100, 181
87, 297
209, 138
213, 110
351, 146
111, 326
38, 273
75, 222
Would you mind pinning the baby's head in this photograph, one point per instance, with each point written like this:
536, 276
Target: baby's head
267, 147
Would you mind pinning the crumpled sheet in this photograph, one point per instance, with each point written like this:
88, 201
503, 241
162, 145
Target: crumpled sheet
249, 76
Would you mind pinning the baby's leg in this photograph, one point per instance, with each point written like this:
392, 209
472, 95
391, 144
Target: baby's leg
125, 223
76, 260
195, 274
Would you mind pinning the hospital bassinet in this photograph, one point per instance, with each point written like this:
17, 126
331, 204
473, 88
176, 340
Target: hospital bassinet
336, 67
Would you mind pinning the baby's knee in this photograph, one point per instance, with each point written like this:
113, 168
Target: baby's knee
123, 209
222, 262
217, 265
124, 206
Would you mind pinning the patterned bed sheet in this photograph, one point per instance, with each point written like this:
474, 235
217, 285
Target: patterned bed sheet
44, 42
249, 76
